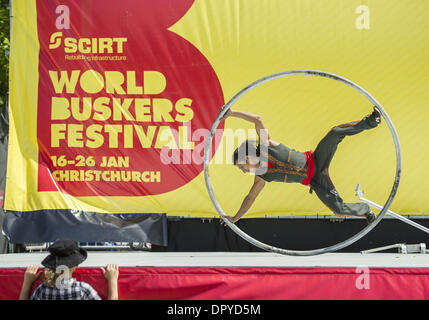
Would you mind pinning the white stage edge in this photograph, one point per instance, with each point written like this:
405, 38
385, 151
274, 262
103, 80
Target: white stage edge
231, 260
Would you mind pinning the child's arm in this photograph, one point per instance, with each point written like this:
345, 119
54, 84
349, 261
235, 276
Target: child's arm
111, 273
30, 276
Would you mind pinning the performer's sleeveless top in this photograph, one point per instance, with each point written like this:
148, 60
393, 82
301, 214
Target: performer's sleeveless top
288, 165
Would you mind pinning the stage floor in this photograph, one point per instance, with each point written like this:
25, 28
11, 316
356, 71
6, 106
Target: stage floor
231, 260
241, 276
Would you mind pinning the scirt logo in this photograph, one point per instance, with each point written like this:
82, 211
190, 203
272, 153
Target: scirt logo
87, 45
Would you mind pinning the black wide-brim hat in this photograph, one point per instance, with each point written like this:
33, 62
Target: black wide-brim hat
64, 252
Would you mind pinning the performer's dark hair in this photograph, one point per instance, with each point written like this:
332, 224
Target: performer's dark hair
248, 147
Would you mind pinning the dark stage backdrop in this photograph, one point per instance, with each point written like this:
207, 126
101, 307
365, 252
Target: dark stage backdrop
297, 234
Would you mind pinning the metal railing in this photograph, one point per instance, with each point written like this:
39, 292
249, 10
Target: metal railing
90, 246
359, 194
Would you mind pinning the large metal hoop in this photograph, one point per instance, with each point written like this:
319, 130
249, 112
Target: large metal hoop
337, 246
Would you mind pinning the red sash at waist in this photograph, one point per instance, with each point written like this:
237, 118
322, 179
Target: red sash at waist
309, 159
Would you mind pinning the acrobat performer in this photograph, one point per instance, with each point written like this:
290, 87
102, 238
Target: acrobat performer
282, 164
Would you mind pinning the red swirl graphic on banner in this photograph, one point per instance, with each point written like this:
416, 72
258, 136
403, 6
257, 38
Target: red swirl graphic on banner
124, 105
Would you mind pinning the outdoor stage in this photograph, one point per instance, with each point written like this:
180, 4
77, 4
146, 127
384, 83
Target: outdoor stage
242, 276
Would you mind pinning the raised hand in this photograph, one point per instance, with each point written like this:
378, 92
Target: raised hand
31, 274
111, 273
226, 115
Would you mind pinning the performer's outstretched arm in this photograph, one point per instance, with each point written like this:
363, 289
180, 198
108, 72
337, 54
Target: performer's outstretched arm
257, 187
261, 129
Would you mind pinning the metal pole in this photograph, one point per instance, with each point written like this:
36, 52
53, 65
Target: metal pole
359, 194
393, 246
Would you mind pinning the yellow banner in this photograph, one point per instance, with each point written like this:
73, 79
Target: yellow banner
99, 105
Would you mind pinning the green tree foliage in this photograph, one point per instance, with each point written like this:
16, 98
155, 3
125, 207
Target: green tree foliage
4, 51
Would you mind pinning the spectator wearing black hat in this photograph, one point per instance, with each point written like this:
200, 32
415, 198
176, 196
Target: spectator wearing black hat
65, 255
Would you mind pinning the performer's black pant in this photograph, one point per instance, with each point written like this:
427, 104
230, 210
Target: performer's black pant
321, 182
